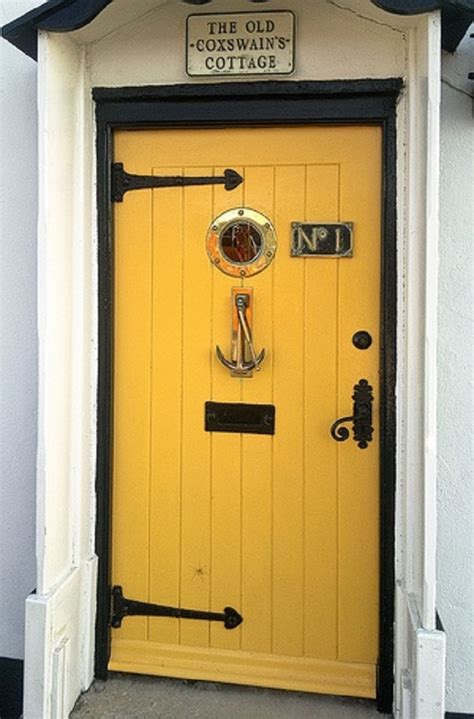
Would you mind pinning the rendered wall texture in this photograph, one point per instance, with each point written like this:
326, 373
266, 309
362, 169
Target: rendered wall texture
456, 379
18, 346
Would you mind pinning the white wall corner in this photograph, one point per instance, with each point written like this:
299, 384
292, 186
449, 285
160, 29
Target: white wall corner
88, 617
433, 110
419, 647
420, 664
59, 651
430, 663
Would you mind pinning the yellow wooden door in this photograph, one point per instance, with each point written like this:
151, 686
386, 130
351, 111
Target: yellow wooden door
283, 528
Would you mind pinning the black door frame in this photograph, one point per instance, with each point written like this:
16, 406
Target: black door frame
251, 104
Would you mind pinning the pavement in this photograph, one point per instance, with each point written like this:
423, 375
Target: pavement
127, 696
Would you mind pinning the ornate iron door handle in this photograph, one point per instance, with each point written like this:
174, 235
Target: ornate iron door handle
361, 417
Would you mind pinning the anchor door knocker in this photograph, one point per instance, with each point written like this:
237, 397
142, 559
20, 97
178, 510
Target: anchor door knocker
244, 358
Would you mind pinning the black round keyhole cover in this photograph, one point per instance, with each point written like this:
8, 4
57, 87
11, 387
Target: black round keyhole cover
362, 340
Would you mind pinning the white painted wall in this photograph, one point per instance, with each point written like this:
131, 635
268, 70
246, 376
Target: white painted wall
18, 345
152, 48
456, 378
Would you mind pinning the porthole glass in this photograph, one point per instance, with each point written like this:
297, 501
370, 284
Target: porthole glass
241, 242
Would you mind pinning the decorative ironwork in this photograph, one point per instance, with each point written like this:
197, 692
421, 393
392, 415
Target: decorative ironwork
123, 181
123, 607
361, 417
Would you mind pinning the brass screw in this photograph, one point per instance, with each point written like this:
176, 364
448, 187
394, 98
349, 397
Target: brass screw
216, 260
241, 212
242, 273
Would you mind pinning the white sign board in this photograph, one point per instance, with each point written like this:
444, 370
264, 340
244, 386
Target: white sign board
256, 43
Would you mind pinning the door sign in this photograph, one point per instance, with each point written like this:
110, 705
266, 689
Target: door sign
260, 43
310, 239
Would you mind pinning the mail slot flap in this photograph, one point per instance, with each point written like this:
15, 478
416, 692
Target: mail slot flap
240, 417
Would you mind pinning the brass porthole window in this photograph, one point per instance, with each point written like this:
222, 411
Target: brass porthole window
241, 242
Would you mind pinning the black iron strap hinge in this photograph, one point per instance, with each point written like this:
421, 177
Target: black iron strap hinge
123, 607
123, 181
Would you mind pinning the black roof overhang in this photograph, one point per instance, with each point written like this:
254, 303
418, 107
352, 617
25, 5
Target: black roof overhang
68, 15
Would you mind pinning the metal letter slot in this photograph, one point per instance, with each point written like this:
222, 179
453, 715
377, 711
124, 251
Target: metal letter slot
240, 418
361, 417
244, 358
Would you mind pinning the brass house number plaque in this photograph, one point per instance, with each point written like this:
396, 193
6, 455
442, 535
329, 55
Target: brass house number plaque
260, 43
309, 239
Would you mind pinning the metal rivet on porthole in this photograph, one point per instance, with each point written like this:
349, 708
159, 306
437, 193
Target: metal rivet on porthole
214, 227
241, 212
242, 272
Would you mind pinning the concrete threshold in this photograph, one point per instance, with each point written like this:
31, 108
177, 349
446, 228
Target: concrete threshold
127, 696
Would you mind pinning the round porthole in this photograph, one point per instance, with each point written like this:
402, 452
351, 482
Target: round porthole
241, 242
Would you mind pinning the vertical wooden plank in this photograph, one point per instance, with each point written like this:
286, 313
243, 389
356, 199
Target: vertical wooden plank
288, 446
257, 449
320, 450
359, 277
132, 353
196, 387
226, 450
166, 404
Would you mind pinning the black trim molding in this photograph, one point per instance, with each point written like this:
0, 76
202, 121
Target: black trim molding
68, 15
389, 87
11, 688
234, 105
456, 715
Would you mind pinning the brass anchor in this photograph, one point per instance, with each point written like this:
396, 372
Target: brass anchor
242, 341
